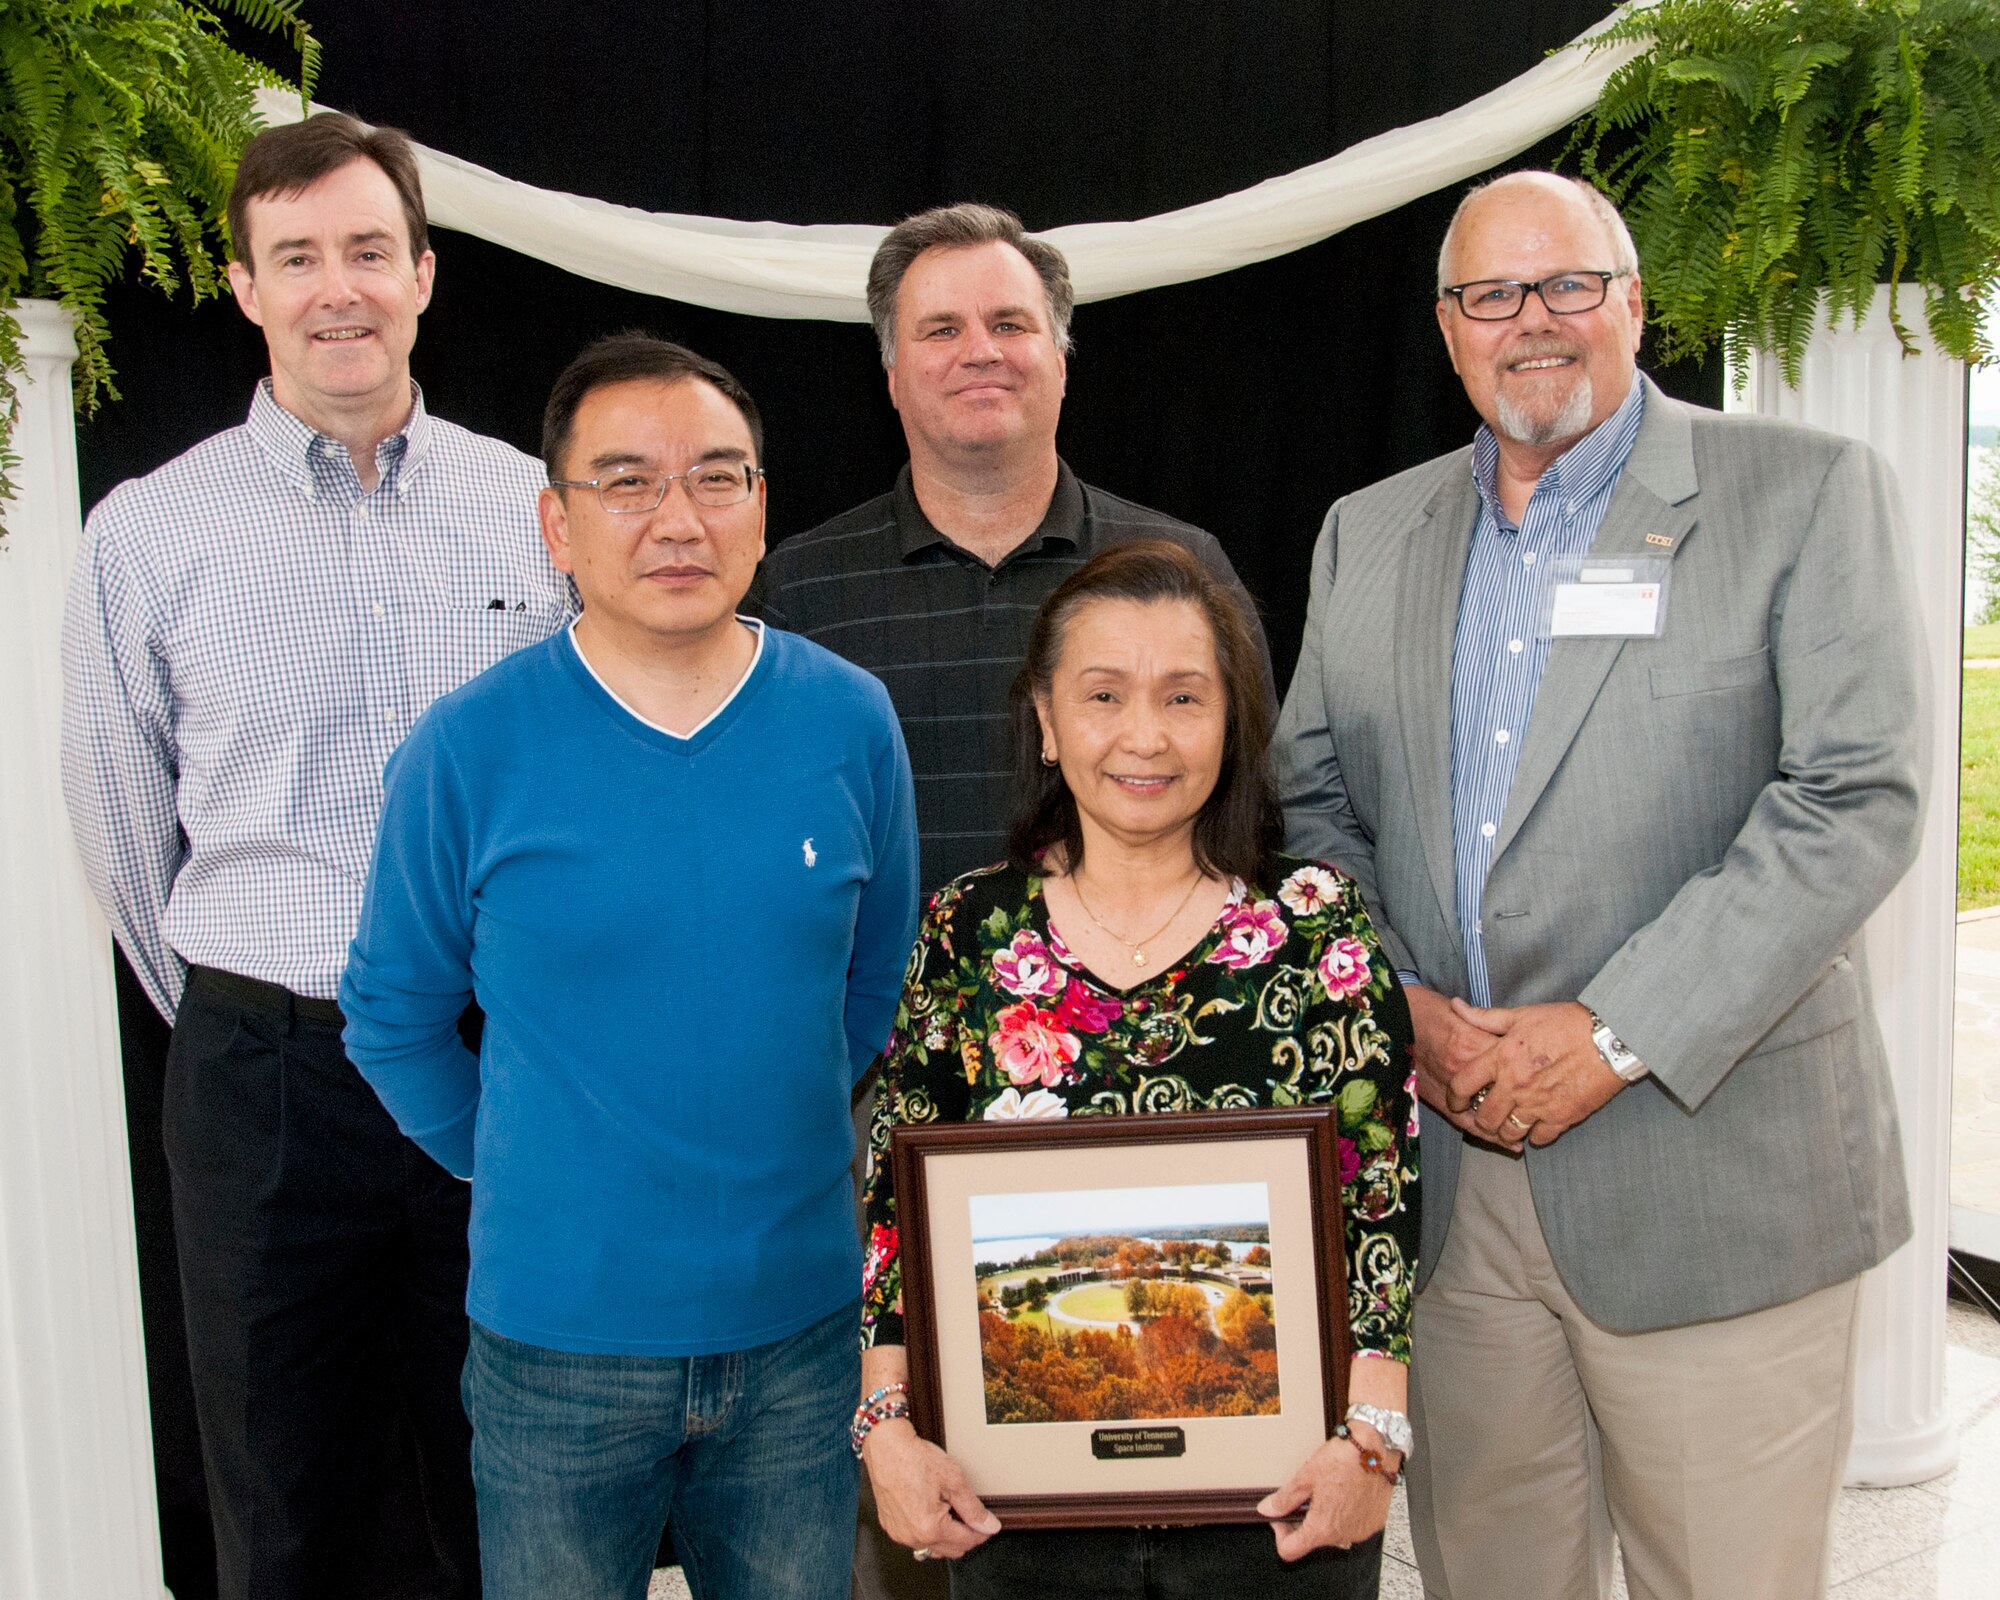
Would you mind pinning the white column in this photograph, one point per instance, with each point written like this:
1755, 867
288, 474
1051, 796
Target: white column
1912, 409
77, 1508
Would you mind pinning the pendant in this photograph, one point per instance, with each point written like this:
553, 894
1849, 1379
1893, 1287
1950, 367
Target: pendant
1138, 957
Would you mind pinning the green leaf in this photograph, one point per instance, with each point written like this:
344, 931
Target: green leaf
1776, 159
1357, 1098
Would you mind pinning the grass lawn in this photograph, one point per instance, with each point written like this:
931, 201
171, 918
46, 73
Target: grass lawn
1096, 1302
1983, 643
1979, 787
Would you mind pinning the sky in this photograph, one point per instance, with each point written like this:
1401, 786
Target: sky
1984, 410
1066, 1211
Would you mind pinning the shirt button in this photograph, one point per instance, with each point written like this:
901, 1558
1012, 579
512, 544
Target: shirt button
1487, 830
361, 513
389, 717
1528, 560
377, 608
1514, 646
1502, 736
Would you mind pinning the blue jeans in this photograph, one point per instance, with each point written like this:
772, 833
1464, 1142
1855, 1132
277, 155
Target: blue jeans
580, 1460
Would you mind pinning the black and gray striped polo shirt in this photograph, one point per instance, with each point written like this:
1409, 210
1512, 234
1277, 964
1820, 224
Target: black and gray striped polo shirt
947, 634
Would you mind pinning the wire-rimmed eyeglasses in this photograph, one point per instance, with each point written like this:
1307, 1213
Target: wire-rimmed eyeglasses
1564, 293
633, 489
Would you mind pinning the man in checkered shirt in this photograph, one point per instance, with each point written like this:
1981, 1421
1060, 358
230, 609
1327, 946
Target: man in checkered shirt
252, 629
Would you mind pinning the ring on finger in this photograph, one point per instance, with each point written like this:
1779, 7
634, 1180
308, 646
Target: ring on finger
1523, 1126
1479, 1098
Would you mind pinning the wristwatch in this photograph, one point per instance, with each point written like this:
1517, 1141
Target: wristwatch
1394, 1427
1616, 1056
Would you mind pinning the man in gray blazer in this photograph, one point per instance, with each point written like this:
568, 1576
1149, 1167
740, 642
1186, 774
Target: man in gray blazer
1615, 718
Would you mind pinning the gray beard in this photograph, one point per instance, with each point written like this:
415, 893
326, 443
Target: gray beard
1570, 421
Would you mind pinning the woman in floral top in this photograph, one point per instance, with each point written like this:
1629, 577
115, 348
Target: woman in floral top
1146, 949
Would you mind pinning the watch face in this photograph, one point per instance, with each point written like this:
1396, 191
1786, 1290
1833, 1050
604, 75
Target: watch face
1616, 1056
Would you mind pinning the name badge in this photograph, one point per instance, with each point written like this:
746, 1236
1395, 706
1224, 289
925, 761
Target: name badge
1608, 597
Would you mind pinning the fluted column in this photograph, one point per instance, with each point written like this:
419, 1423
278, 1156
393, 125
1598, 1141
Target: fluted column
1912, 409
77, 1508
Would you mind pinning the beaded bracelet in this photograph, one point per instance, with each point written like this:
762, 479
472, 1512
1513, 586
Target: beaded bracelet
868, 1417
867, 1414
880, 1395
1371, 1460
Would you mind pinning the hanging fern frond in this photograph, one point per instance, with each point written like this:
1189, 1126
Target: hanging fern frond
120, 124
1776, 159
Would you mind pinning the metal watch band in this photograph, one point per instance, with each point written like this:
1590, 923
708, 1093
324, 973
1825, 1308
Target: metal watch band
1394, 1427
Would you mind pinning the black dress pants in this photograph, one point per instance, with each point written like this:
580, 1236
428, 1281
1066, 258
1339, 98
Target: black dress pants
1198, 1563
323, 1259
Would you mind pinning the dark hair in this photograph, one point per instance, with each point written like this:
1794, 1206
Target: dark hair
1238, 830
953, 228
283, 161
634, 356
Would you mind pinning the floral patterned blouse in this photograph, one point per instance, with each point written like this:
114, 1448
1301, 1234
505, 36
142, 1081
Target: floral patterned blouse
1286, 1001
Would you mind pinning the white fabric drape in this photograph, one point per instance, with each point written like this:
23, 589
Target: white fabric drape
777, 269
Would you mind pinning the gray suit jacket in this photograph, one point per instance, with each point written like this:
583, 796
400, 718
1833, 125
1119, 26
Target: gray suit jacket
1699, 825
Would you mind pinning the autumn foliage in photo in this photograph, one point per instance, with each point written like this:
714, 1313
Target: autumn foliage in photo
1177, 1365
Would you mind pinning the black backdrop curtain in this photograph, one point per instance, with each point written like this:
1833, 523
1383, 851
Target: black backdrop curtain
1244, 403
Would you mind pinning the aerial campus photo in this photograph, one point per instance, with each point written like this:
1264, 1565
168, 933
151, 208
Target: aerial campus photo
1114, 1305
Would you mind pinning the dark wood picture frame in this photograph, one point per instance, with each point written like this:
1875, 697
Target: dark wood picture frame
912, 1147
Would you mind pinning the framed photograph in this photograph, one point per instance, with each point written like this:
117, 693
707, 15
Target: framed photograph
1120, 1320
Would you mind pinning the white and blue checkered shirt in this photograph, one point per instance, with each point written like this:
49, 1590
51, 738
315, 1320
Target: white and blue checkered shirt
1499, 651
249, 636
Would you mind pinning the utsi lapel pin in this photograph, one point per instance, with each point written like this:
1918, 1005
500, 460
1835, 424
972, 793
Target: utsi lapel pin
1664, 541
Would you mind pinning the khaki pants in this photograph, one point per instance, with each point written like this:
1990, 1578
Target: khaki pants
1715, 1450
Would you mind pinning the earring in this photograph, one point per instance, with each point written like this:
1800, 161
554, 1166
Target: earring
1048, 758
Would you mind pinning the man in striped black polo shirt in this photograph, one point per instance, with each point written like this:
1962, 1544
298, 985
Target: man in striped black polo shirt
934, 585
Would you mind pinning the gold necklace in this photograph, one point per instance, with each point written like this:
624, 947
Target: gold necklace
1138, 953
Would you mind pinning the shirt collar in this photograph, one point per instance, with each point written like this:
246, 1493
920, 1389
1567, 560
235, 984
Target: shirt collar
1066, 521
1581, 470
292, 443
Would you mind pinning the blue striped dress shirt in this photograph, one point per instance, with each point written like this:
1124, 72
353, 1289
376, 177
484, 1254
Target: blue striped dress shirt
1499, 650
249, 635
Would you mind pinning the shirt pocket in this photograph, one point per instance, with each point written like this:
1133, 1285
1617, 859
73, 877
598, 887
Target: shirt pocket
454, 645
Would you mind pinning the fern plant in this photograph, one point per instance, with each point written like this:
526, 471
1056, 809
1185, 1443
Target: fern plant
120, 123
1779, 157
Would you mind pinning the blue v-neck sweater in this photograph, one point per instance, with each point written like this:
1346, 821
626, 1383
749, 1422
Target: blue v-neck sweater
687, 949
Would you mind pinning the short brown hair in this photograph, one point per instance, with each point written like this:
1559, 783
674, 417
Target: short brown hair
635, 356
283, 161
1238, 830
953, 228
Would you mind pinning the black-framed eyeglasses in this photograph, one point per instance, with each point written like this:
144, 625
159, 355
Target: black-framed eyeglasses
633, 489
1564, 293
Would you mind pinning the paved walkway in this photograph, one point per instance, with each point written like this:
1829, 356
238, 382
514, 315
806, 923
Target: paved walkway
1975, 1077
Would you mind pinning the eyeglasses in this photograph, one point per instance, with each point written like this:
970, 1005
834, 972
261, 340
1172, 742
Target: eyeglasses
1565, 294
629, 490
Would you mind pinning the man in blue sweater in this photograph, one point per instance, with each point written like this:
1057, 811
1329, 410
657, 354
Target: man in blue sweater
672, 853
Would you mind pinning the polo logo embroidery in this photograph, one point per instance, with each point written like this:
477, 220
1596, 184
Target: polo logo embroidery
812, 855
1659, 539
